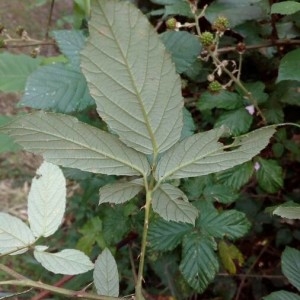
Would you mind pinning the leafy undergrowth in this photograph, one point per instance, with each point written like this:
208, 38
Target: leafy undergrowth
242, 240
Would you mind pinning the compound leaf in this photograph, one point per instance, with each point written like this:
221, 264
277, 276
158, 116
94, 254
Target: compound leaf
202, 153
63, 89
67, 261
120, 192
14, 71
63, 140
14, 234
132, 78
46, 200
290, 264
172, 204
106, 277
165, 236
199, 264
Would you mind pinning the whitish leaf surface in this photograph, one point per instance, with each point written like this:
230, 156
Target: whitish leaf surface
132, 78
165, 236
173, 205
282, 295
106, 276
289, 68
290, 265
63, 140
231, 224
120, 192
14, 234
63, 89
289, 210
285, 8
46, 200
67, 261
14, 71
70, 42
202, 154
199, 264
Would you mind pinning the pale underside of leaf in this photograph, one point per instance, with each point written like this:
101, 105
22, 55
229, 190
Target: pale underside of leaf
46, 200
67, 261
14, 234
106, 277
120, 192
172, 205
132, 78
63, 140
202, 154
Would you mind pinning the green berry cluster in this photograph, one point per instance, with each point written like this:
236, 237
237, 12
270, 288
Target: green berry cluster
215, 86
221, 24
207, 39
171, 23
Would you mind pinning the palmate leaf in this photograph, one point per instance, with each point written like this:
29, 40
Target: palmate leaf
46, 200
132, 78
202, 154
172, 204
199, 264
63, 140
106, 277
120, 192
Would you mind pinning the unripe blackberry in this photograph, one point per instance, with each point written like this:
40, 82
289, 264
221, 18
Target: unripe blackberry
221, 24
207, 39
215, 86
171, 23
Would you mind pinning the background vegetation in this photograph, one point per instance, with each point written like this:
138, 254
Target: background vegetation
259, 46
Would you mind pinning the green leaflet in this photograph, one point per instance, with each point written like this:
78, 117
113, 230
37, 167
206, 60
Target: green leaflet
183, 46
285, 8
120, 192
199, 264
63, 140
14, 71
173, 205
202, 154
132, 78
66, 89
282, 295
289, 68
290, 264
165, 236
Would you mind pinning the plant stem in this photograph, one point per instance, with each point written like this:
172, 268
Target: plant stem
139, 284
58, 290
239, 84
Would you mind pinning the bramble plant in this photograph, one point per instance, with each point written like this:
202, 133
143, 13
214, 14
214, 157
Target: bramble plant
126, 70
